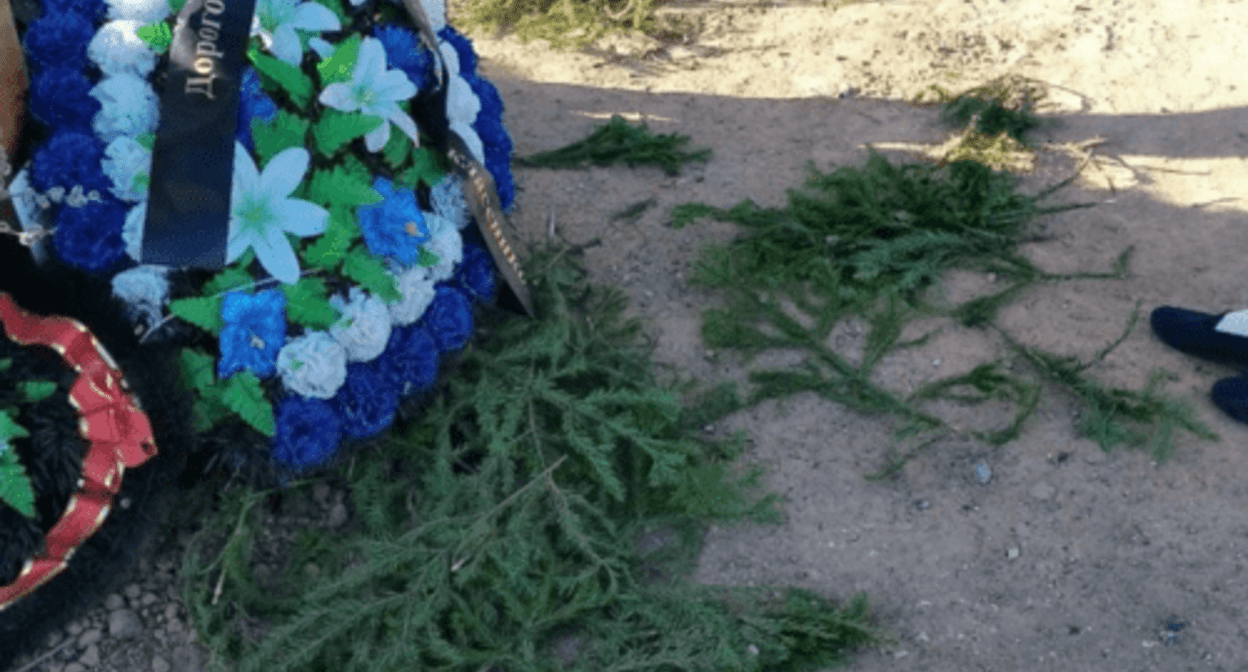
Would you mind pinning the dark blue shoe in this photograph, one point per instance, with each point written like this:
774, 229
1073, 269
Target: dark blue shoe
1192, 332
1231, 395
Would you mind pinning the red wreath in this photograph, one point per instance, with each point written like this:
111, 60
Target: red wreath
110, 419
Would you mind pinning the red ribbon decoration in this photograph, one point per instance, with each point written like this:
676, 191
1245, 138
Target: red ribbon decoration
119, 433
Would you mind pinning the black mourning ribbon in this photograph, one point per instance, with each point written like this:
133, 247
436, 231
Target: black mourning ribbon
188, 208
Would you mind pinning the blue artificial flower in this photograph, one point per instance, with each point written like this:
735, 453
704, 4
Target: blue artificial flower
374, 91
476, 274
59, 39
145, 291
253, 103
367, 402
394, 227
143, 11
449, 319
308, 432
89, 237
93, 10
411, 359
262, 212
447, 244
463, 50
364, 326
313, 365
56, 99
405, 52
447, 199
128, 106
118, 49
255, 331
416, 288
69, 159
504, 181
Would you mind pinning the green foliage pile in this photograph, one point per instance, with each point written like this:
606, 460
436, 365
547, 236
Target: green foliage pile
617, 141
573, 450
869, 242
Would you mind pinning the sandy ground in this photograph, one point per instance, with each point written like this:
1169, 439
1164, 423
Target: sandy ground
1108, 545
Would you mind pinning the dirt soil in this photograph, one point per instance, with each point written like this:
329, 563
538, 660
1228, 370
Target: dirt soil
1105, 547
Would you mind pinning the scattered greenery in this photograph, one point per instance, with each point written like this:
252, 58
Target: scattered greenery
564, 23
507, 515
577, 451
618, 141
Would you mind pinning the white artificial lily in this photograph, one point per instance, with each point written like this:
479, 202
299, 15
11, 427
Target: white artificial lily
275, 22
374, 90
262, 212
462, 105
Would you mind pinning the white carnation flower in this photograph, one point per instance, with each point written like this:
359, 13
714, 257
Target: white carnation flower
132, 231
416, 286
364, 327
145, 289
125, 164
313, 365
130, 107
143, 11
448, 200
445, 242
117, 49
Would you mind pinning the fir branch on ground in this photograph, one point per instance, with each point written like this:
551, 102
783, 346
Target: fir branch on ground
618, 141
510, 513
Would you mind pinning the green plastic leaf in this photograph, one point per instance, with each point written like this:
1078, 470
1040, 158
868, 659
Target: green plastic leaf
202, 311
397, 149
232, 277
424, 168
157, 36
285, 131
244, 395
336, 129
338, 68
207, 411
176, 5
198, 371
15, 486
147, 140
291, 79
35, 391
307, 303
368, 270
337, 187
6, 363
9, 429
330, 248
427, 259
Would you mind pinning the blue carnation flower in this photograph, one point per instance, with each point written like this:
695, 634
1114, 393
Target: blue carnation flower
253, 103
69, 159
500, 170
449, 319
59, 39
56, 99
395, 227
308, 432
475, 274
411, 359
367, 401
405, 52
463, 47
89, 237
94, 10
255, 331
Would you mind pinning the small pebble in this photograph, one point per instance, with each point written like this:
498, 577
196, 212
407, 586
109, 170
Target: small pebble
983, 473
